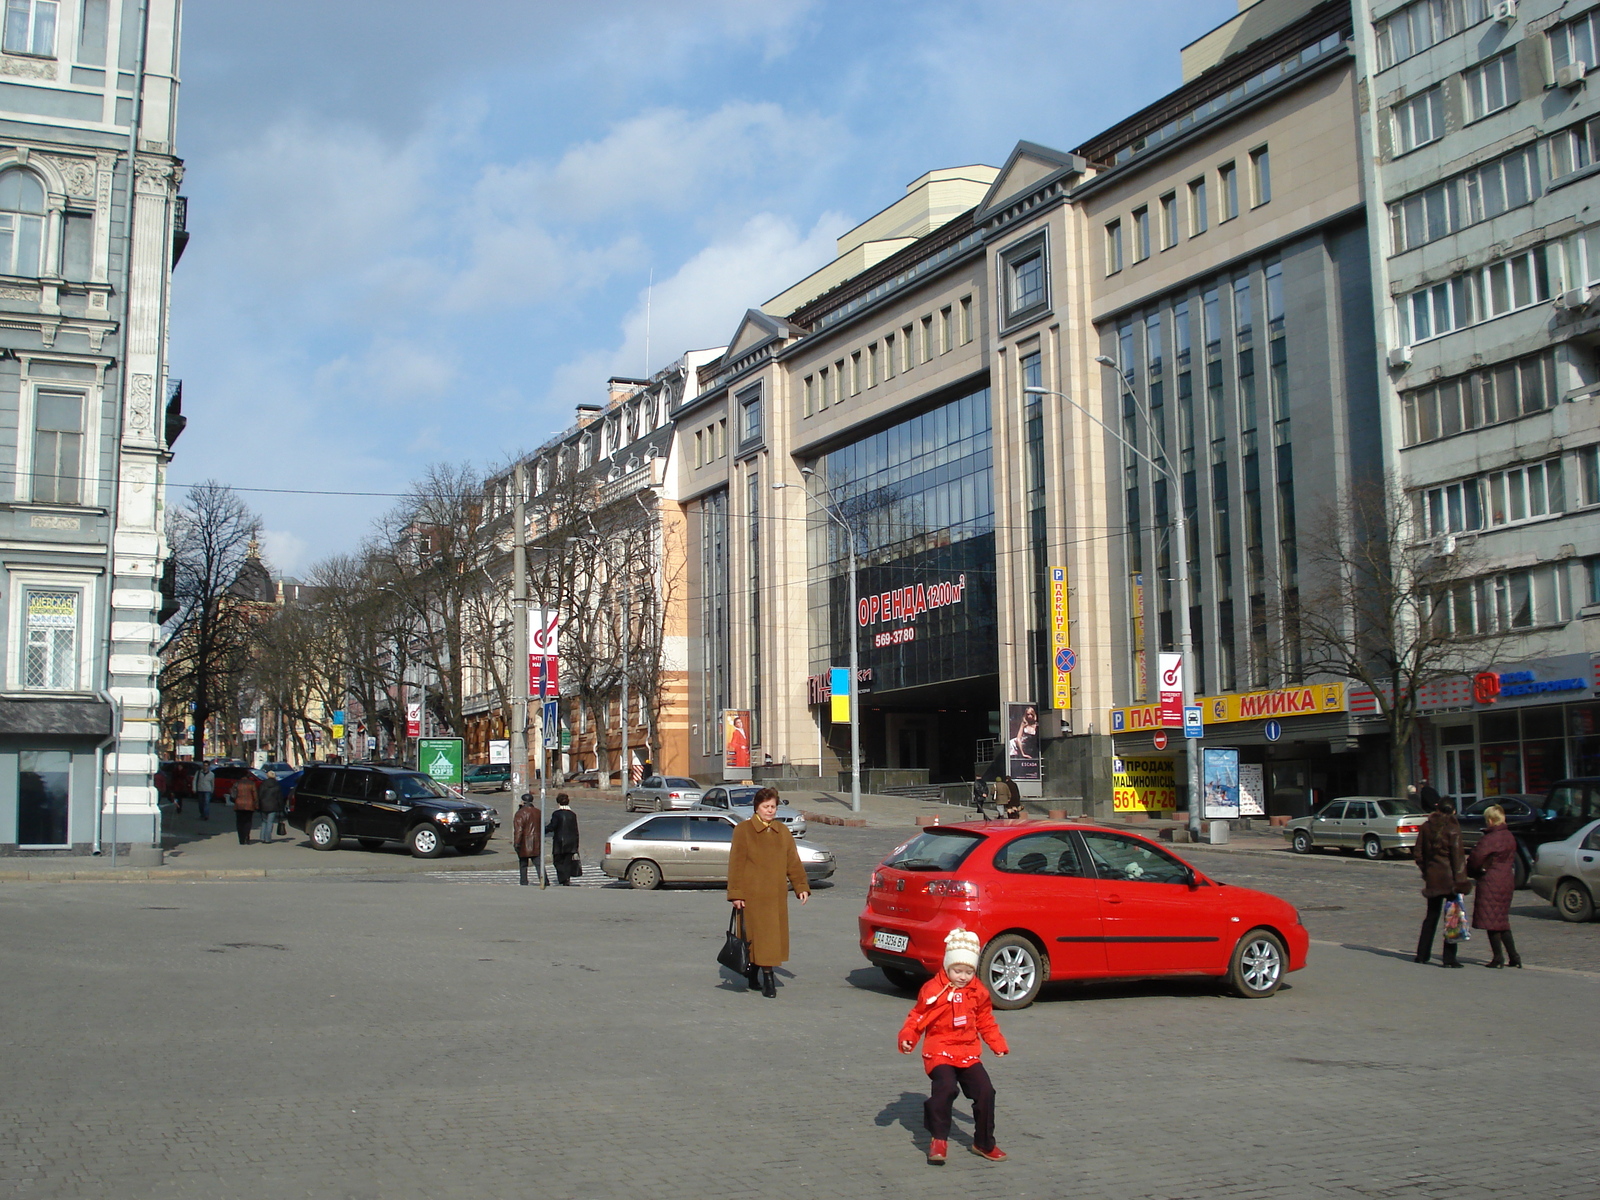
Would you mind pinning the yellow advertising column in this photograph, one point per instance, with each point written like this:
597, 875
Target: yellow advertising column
1062, 658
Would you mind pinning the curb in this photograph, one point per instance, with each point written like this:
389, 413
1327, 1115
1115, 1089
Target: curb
826, 819
193, 874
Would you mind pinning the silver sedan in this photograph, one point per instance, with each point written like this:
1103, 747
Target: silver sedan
740, 802
660, 792
1374, 825
690, 847
1567, 873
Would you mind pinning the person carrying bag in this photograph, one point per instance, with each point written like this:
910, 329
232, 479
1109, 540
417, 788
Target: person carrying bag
735, 952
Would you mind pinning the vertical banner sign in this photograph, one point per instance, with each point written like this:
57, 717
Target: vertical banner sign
839, 694
1141, 667
1220, 782
442, 760
413, 719
1022, 746
1252, 796
338, 724
544, 649
1060, 663
1172, 691
735, 740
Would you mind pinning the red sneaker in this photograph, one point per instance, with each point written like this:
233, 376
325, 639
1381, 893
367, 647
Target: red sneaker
936, 1151
993, 1153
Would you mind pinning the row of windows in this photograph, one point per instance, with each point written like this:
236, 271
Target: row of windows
1164, 223
1485, 397
32, 27
1486, 88
1503, 602
1525, 492
1424, 23
895, 353
711, 443
1485, 191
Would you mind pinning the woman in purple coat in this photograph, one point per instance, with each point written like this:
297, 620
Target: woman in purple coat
1493, 864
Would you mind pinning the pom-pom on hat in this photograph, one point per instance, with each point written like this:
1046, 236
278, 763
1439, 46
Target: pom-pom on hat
961, 946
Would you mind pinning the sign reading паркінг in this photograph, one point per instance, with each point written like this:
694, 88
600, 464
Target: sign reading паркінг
1308, 700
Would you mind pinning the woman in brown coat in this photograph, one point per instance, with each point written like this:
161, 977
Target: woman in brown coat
1443, 864
244, 806
1493, 864
762, 867
527, 835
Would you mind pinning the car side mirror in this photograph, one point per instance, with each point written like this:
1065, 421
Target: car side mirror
1192, 880
391, 794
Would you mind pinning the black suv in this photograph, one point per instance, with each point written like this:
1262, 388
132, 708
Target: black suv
387, 804
1535, 820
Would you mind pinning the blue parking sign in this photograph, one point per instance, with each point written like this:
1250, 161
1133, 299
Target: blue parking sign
1193, 726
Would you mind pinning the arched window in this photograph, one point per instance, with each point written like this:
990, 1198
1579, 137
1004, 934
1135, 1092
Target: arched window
21, 222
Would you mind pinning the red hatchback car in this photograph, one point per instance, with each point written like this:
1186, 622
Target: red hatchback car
1054, 901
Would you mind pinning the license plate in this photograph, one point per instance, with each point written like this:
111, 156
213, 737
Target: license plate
895, 942
478, 829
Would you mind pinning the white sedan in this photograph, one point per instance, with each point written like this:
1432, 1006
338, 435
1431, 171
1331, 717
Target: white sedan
1567, 873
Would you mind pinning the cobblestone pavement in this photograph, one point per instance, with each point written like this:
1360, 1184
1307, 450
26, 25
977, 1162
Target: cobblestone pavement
380, 1038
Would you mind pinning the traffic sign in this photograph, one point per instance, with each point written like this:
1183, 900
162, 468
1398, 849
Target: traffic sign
1066, 660
1274, 730
552, 725
1160, 739
1193, 726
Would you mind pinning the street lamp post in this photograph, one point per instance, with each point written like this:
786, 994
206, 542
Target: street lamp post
1180, 534
830, 509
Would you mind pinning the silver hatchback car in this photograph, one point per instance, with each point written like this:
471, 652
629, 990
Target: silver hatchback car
690, 847
1374, 825
657, 793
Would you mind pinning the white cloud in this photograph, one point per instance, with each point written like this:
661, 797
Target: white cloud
285, 552
385, 372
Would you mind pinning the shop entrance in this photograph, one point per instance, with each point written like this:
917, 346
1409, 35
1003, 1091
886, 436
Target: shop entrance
1461, 775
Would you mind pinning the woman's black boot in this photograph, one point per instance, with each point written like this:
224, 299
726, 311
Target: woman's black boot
752, 974
769, 984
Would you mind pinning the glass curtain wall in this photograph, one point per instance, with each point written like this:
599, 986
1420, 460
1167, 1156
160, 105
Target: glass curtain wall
714, 629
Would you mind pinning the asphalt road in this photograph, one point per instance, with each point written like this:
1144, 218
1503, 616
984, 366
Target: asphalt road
408, 1036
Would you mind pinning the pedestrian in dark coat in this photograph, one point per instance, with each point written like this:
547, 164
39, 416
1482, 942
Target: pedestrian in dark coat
1009, 797
1493, 863
1443, 863
527, 835
244, 806
762, 867
1429, 796
563, 831
269, 802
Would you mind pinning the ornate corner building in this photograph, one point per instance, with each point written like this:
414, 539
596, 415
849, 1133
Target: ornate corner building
91, 225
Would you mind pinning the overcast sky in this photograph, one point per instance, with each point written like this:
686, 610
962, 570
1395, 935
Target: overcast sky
424, 231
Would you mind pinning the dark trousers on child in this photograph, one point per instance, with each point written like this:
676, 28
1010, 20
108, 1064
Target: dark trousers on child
974, 1082
1430, 923
241, 822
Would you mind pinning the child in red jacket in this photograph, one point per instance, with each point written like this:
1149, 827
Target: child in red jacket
950, 1013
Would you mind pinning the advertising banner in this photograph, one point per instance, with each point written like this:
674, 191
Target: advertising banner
1172, 691
442, 759
735, 742
500, 750
1307, 700
1061, 656
839, 695
1143, 785
413, 720
1022, 742
544, 651
247, 727
1141, 666
1252, 791
1220, 782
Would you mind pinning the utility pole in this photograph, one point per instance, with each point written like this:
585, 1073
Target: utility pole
519, 646
627, 766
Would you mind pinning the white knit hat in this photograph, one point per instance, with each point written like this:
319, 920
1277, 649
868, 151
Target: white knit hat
961, 946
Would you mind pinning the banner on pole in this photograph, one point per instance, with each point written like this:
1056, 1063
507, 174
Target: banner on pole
1172, 691
1062, 658
544, 652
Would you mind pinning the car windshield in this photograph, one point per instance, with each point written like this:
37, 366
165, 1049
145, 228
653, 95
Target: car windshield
1398, 808
418, 787
743, 797
681, 783
942, 851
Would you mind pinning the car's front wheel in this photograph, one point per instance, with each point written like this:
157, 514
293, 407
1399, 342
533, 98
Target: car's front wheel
324, 834
424, 842
1301, 842
1259, 961
1573, 902
1013, 969
1372, 848
644, 875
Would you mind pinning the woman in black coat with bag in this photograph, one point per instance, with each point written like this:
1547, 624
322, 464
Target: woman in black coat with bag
563, 831
1493, 863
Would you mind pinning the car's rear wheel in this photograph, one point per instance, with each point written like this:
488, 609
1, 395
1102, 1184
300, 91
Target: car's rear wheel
1259, 961
1301, 842
1573, 901
424, 842
1372, 848
1519, 873
644, 875
475, 847
370, 843
324, 834
906, 981
1013, 969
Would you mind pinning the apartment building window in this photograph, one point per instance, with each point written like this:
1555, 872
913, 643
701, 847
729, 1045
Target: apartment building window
21, 222
57, 447
841, 384
1228, 184
1113, 247
947, 330
855, 373
1169, 220
822, 389
888, 355
1501, 603
1425, 23
722, 438
1453, 508
809, 391
927, 339
1575, 41
1526, 493
1419, 120
1487, 191
966, 319
1574, 148
31, 27
908, 347
1581, 258
1199, 213
1260, 176
716, 581
872, 365
1592, 571
1027, 279
50, 660
750, 428
1499, 393
1491, 86
1478, 295
1141, 234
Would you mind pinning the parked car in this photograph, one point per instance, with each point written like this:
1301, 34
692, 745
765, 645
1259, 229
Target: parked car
690, 847
226, 777
1524, 815
1567, 873
487, 777
1375, 825
1052, 900
740, 801
658, 793
277, 769
381, 804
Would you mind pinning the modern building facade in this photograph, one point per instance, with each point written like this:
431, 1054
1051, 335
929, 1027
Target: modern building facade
1481, 132
90, 228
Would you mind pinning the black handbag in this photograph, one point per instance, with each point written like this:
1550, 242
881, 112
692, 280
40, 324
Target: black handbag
576, 868
735, 953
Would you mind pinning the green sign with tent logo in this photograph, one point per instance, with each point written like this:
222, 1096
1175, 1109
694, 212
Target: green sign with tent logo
442, 759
